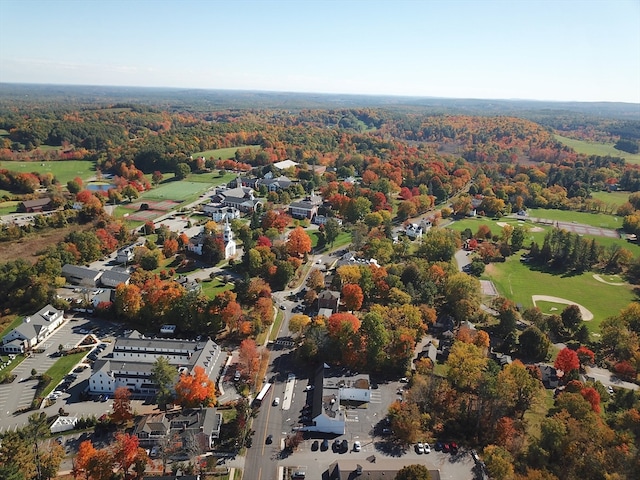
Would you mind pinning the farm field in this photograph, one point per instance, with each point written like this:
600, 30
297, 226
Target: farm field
224, 153
63, 170
8, 207
602, 149
518, 282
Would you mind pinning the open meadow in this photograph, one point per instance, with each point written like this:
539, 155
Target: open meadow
612, 198
602, 149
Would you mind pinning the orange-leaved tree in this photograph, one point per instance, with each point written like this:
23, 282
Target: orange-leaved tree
195, 389
352, 296
121, 406
249, 359
125, 451
298, 242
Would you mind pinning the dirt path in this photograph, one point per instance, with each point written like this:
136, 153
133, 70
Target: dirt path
600, 279
586, 314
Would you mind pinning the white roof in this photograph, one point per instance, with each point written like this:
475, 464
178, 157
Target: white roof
285, 164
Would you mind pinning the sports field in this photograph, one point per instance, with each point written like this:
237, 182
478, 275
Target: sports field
63, 170
173, 190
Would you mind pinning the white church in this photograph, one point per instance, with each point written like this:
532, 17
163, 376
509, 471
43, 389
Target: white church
196, 243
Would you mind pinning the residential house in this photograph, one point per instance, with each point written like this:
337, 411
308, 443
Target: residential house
187, 284
329, 299
125, 254
416, 230
549, 375
37, 205
196, 243
33, 330
131, 362
83, 276
198, 425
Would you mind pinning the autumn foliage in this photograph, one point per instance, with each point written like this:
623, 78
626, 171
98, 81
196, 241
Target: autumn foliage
195, 389
567, 361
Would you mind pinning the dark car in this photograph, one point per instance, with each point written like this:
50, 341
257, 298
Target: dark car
453, 446
438, 446
336, 445
324, 446
314, 445
269, 439
446, 448
344, 446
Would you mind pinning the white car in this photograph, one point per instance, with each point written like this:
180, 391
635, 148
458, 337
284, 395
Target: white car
427, 448
276, 401
357, 446
309, 387
419, 448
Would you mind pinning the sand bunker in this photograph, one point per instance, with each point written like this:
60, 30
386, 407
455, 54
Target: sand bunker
586, 314
600, 279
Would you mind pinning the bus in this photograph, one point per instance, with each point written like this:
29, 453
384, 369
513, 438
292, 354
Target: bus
262, 394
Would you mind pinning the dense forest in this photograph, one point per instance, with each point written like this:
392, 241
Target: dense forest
376, 162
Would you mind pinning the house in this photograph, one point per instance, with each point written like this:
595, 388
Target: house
33, 330
125, 255
549, 375
322, 219
133, 357
374, 467
416, 230
113, 278
329, 299
37, 205
78, 275
429, 351
188, 426
219, 213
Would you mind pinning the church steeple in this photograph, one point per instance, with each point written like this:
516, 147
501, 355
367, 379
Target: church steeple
227, 234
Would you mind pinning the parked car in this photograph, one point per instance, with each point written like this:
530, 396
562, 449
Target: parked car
357, 446
324, 446
344, 446
315, 445
427, 448
269, 439
438, 446
336, 445
445, 447
419, 448
453, 447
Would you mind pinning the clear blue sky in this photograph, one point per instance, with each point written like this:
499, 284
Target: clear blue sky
543, 50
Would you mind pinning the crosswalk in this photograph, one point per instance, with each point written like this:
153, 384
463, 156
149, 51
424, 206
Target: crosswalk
376, 397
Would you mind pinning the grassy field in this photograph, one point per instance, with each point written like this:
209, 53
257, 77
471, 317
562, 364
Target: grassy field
601, 220
602, 149
612, 198
8, 207
224, 153
179, 191
63, 170
518, 282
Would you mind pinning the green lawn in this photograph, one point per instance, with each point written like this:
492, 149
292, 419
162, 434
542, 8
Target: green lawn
8, 207
602, 149
518, 282
601, 220
59, 369
63, 170
179, 191
612, 198
224, 153
211, 288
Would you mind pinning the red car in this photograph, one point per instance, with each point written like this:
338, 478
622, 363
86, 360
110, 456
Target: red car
453, 446
445, 448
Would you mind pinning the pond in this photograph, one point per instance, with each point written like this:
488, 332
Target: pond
99, 186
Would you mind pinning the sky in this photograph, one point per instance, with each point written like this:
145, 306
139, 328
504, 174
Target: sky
560, 50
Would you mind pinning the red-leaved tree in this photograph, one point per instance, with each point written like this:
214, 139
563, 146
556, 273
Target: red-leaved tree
567, 361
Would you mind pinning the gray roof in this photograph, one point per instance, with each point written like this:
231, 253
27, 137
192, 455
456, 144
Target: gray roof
80, 272
114, 276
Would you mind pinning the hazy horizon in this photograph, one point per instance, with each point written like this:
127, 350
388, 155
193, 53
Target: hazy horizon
529, 50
